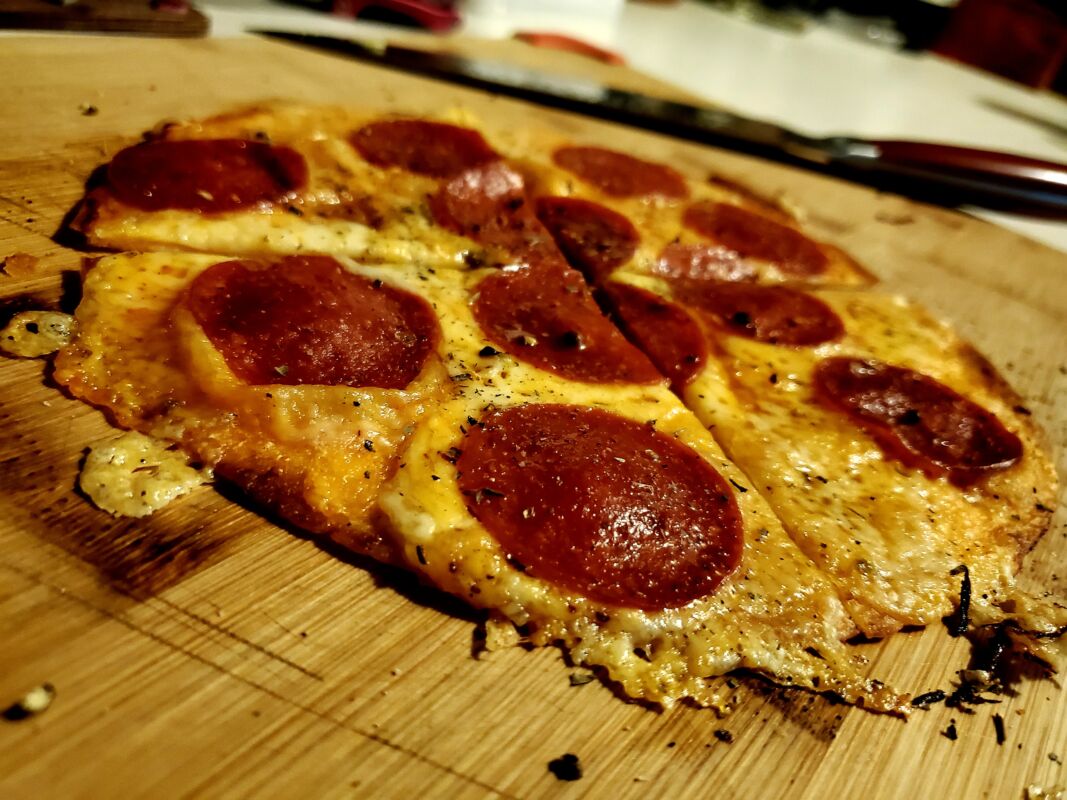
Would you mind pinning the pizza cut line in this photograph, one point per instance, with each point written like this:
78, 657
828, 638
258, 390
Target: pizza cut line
635, 413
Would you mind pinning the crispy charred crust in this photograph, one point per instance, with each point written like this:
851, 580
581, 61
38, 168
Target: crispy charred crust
282, 495
87, 211
961, 619
276, 491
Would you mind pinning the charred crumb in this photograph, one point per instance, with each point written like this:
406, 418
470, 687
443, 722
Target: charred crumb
671, 744
738, 486
928, 699
986, 670
998, 727
580, 678
960, 620
420, 554
483, 493
462, 376
909, 417
1022, 410
1042, 507
488, 352
88, 110
774, 378
1054, 758
368, 445
451, 454
571, 339
970, 691
35, 701
566, 767
724, 736
950, 732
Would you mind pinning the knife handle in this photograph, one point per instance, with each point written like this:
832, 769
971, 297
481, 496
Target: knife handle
1045, 175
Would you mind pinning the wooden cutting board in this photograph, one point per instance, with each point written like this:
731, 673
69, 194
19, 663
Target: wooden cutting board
208, 652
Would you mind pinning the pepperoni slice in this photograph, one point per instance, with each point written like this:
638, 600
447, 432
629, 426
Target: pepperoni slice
702, 262
918, 420
305, 320
594, 239
429, 148
621, 175
756, 236
206, 175
488, 204
773, 314
664, 331
546, 316
601, 505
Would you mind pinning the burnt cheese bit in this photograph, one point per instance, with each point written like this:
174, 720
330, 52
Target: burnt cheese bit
918, 420
928, 699
601, 505
962, 618
566, 768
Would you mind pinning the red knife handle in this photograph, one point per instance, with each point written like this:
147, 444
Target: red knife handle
430, 15
967, 160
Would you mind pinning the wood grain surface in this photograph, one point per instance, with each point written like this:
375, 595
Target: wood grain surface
208, 652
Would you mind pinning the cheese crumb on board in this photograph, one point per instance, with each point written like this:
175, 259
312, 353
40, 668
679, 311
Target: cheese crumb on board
31, 334
136, 475
20, 265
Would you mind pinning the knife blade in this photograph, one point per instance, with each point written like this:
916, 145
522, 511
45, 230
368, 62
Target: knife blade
940, 173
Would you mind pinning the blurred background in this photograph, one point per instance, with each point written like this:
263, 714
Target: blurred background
981, 73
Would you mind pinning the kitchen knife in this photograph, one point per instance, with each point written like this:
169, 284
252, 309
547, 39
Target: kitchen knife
939, 173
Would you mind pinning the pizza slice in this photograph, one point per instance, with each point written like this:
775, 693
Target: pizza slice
296, 378
286, 179
891, 451
569, 492
290, 179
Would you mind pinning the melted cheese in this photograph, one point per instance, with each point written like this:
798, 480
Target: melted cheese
765, 617
135, 475
139, 354
353, 208
31, 334
886, 535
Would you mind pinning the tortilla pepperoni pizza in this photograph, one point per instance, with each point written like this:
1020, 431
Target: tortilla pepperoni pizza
637, 412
